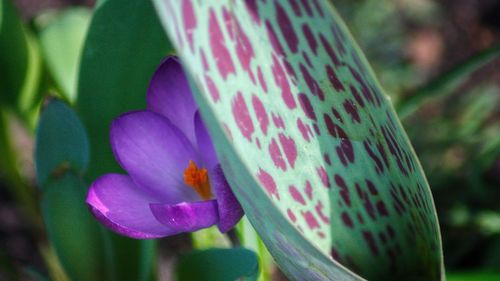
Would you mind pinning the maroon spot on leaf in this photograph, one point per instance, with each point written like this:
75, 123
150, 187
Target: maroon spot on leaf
311, 40
219, 50
335, 130
379, 168
328, 48
268, 182
306, 106
339, 43
281, 81
360, 218
261, 113
367, 92
382, 210
323, 176
318, 8
306, 58
296, 8
327, 160
257, 142
346, 219
345, 152
319, 211
371, 187
382, 238
212, 89
309, 11
344, 191
357, 96
226, 129
289, 70
334, 80
311, 221
321, 234
189, 21
312, 83
391, 232
290, 149
337, 115
271, 34
308, 189
316, 129
278, 121
304, 129
204, 61
276, 155
296, 195
291, 215
253, 10
371, 242
286, 27
335, 255
242, 116
352, 110
262, 81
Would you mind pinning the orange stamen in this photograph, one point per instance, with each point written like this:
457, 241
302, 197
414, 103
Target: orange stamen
198, 180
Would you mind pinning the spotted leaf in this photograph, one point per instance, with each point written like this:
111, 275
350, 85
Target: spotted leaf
310, 143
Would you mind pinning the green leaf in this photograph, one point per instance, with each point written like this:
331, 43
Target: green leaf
62, 34
61, 142
74, 233
448, 82
217, 265
124, 45
308, 140
20, 60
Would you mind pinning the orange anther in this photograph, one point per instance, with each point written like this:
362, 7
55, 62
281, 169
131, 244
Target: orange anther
198, 180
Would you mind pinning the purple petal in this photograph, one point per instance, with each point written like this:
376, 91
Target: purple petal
187, 217
206, 149
154, 153
124, 208
169, 94
230, 211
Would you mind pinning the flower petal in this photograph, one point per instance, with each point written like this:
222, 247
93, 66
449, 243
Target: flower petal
124, 208
187, 217
230, 211
169, 94
206, 149
154, 153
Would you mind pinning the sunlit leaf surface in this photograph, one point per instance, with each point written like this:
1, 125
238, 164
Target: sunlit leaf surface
309, 141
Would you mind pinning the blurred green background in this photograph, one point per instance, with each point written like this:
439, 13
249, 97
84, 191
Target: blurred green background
436, 60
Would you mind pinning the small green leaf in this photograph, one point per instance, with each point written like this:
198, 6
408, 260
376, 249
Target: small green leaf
61, 142
20, 61
74, 233
446, 83
62, 34
217, 265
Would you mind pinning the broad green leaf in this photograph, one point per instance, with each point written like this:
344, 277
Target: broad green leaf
20, 61
309, 142
124, 45
61, 38
61, 142
74, 233
217, 265
446, 83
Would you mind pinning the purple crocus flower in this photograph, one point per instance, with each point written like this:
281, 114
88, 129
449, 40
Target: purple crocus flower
175, 183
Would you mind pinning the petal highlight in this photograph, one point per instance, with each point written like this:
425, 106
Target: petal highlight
187, 217
124, 208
